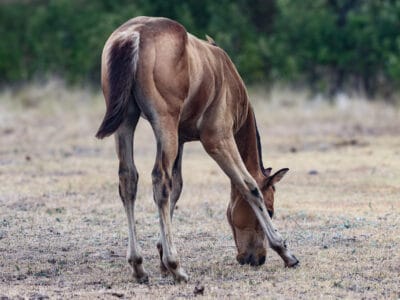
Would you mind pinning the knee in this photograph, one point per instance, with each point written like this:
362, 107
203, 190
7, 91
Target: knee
210, 143
252, 187
212, 148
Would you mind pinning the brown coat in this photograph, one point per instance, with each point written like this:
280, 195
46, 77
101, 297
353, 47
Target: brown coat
188, 89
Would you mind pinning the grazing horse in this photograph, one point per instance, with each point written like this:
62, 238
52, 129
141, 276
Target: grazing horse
188, 89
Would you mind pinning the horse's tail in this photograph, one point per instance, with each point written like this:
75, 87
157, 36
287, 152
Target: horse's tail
121, 63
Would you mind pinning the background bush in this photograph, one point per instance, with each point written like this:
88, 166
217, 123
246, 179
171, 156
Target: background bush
330, 45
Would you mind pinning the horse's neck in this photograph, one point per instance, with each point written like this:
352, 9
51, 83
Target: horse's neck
246, 140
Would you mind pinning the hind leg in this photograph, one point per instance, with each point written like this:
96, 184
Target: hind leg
128, 178
177, 184
166, 132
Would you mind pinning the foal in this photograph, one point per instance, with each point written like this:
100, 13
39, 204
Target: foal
188, 89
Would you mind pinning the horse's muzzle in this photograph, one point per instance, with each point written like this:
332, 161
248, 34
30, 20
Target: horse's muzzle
251, 259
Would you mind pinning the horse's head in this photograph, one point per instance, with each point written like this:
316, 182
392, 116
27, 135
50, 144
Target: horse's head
249, 237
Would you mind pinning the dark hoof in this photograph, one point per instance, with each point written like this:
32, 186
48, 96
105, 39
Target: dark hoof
181, 277
143, 279
164, 271
294, 263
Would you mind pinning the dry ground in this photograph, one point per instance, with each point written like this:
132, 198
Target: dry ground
63, 231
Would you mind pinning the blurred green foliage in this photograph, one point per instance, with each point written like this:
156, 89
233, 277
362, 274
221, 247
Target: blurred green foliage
328, 44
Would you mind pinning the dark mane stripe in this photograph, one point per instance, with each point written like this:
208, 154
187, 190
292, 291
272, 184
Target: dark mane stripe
259, 150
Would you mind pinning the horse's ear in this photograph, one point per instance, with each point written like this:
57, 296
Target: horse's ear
267, 172
278, 176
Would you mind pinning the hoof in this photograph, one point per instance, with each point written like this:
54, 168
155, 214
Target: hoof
164, 271
293, 263
143, 279
138, 270
181, 277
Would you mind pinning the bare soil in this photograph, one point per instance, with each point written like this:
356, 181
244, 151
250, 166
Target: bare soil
63, 231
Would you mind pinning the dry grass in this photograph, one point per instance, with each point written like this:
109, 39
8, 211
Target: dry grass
63, 232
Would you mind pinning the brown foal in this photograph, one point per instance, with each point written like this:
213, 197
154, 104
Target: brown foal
188, 89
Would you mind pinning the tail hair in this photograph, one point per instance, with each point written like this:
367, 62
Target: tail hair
122, 63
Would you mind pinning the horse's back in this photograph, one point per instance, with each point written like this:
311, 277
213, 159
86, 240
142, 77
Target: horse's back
178, 73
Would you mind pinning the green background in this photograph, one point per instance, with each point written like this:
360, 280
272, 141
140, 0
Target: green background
328, 45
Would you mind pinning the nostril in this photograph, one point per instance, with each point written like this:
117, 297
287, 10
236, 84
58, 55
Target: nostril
261, 260
271, 213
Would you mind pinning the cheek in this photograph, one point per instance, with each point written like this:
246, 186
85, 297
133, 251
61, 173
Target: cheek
269, 200
243, 216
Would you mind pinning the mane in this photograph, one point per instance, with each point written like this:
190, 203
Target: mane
259, 146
